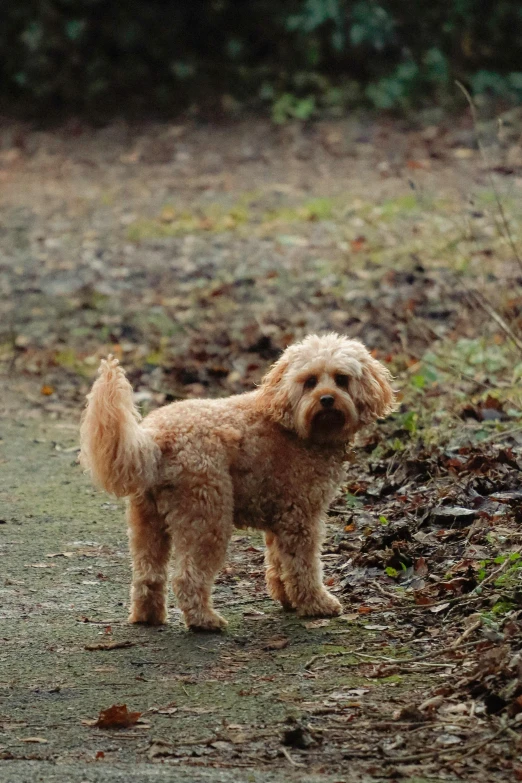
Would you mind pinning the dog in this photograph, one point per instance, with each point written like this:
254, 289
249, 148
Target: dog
195, 470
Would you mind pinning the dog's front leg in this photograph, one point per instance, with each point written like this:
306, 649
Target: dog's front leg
298, 543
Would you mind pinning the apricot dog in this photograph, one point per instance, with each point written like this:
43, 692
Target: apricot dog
270, 459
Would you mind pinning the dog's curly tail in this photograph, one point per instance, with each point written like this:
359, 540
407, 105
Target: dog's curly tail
121, 456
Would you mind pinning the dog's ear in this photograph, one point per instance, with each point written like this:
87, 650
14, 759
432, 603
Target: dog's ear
273, 398
373, 393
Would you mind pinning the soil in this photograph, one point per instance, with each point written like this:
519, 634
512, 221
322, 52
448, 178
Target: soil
196, 254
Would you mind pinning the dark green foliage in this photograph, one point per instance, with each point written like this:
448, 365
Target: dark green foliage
298, 57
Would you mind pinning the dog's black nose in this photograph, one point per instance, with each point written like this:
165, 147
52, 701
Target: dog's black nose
327, 401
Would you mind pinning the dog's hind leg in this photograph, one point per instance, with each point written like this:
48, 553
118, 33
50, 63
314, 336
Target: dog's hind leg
274, 581
150, 545
200, 536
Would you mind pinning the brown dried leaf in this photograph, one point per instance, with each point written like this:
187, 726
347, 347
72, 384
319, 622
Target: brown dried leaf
421, 567
109, 645
115, 717
277, 643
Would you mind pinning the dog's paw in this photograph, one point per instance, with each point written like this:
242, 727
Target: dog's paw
323, 605
277, 591
148, 616
209, 621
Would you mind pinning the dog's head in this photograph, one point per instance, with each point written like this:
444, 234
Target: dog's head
326, 388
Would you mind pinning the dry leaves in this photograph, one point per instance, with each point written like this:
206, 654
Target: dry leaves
109, 645
115, 717
278, 643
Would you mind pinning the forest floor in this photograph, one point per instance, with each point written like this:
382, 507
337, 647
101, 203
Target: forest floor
196, 254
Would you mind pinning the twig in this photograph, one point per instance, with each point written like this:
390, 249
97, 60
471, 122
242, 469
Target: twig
498, 571
485, 384
469, 630
478, 745
466, 751
287, 755
500, 435
458, 645
435, 654
315, 658
460, 599
490, 176
481, 301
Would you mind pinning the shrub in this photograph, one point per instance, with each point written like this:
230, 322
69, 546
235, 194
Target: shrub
299, 57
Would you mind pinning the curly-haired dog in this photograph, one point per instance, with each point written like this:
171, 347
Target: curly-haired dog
270, 459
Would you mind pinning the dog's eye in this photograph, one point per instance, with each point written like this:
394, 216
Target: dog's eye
342, 381
310, 382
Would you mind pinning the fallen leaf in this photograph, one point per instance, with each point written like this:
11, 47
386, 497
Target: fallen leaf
422, 599
418, 164
47, 390
39, 740
253, 614
115, 717
109, 645
453, 514
421, 567
169, 709
349, 694
277, 644
357, 244
439, 608
431, 704
168, 215
321, 623
161, 749
448, 739
463, 152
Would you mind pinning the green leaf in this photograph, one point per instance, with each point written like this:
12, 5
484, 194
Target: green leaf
352, 500
303, 109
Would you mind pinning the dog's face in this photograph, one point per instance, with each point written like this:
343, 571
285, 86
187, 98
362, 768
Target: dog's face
326, 388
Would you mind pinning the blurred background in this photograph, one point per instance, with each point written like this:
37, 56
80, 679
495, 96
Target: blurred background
196, 184
291, 60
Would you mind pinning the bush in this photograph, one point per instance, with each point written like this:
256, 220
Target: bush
299, 57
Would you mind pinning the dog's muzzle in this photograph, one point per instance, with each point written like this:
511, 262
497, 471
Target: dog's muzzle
328, 419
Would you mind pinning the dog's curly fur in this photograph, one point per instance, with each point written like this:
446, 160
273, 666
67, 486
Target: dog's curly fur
270, 459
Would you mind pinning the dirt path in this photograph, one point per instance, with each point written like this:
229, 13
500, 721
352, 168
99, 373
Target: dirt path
196, 255
224, 701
